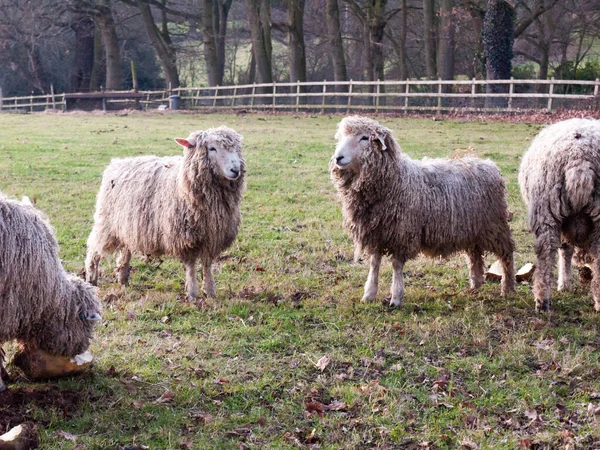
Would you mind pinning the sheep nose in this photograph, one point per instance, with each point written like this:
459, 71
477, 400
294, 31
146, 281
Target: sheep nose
235, 172
339, 158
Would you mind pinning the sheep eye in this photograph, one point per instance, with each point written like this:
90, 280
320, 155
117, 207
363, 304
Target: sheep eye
212, 149
364, 138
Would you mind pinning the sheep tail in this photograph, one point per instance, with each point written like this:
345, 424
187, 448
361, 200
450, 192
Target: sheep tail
579, 185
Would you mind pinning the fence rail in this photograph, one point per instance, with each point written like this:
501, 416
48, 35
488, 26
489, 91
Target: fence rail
330, 96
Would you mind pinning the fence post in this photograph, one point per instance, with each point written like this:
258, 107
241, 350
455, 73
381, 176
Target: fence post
439, 98
274, 92
215, 96
1, 100
253, 93
297, 94
511, 90
377, 98
53, 99
234, 96
406, 91
349, 98
550, 92
473, 92
596, 91
323, 97
31, 103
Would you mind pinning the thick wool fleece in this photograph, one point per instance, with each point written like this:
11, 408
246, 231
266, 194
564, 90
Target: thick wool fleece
175, 206
559, 180
40, 304
398, 206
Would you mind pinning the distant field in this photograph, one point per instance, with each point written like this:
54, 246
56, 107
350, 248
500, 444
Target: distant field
450, 368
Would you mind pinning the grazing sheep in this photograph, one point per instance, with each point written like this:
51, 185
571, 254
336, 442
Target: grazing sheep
187, 207
40, 304
560, 183
393, 205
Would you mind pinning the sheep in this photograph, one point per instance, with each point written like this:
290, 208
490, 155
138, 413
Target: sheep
393, 205
559, 180
40, 304
186, 207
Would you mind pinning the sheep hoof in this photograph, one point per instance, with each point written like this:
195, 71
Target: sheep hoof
542, 306
367, 298
396, 302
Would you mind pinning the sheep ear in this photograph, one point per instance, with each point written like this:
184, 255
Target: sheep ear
381, 139
184, 142
91, 316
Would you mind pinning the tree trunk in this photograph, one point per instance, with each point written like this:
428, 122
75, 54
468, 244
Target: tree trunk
498, 32
210, 43
429, 37
96, 75
295, 26
83, 61
38, 75
446, 46
106, 23
223, 7
161, 41
403, 34
337, 47
260, 32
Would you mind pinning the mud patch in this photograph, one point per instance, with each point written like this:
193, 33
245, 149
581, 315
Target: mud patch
16, 405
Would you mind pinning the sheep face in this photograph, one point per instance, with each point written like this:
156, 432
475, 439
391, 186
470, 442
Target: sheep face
218, 149
71, 335
357, 137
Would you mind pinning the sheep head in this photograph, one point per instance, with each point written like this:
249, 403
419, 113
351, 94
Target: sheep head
359, 139
70, 330
216, 149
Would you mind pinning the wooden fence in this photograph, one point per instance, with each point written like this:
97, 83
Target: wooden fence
379, 96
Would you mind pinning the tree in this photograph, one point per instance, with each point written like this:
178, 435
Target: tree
214, 31
295, 31
498, 37
429, 37
335, 39
260, 31
447, 40
161, 41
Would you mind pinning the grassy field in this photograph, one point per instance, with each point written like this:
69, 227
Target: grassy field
450, 369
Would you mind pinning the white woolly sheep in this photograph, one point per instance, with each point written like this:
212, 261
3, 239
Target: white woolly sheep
187, 207
40, 304
560, 183
393, 205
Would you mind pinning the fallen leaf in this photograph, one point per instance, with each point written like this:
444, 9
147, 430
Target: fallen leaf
337, 406
221, 381
315, 407
66, 435
164, 319
323, 363
167, 397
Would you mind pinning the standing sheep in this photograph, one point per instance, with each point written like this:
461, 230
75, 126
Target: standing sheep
40, 304
560, 183
393, 205
187, 207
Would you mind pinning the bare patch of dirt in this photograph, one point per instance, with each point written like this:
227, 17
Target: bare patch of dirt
16, 404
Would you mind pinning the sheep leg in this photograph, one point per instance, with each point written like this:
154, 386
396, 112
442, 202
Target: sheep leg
546, 247
208, 281
191, 280
476, 268
92, 263
397, 282
565, 256
123, 267
372, 283
507, 285
3, 373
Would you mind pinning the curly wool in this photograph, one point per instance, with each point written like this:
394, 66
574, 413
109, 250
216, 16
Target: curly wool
401, 207
174, 206
40, 303
559, 179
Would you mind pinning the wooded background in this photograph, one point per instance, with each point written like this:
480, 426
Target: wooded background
83, 45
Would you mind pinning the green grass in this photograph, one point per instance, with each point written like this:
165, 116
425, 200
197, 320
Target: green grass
449, 368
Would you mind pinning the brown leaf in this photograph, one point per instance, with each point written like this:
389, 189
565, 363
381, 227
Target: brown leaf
315, 407
337, 406
323, 363
66, 435
202, 417
165, 319
167, 397
186, 444
221, 381
259, 268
